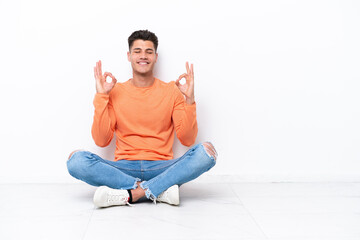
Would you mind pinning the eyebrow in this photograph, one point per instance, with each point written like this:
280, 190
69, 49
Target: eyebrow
145, 49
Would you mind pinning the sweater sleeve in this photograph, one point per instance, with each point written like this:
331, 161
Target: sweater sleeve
184, 118
104, 123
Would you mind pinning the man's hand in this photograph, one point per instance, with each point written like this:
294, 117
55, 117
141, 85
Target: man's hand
188, 88
101, 85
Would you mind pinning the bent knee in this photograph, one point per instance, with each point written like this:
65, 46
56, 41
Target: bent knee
210, 150
77, 163
78, 150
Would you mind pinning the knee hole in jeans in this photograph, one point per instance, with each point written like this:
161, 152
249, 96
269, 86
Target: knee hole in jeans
73, 153
210, 150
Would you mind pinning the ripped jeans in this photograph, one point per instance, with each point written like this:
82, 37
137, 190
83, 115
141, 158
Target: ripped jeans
155, 176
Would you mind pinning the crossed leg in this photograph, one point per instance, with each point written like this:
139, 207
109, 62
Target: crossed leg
139, 192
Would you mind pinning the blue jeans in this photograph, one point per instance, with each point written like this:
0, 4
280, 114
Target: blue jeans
155, 176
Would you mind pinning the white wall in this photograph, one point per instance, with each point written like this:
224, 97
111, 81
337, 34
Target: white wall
276, 82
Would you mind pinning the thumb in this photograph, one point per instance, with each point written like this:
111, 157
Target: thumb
177, 82
113, 79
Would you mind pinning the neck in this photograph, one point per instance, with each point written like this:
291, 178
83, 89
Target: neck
140, 80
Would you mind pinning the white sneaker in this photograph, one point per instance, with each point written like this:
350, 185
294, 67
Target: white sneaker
105, 197
170, 196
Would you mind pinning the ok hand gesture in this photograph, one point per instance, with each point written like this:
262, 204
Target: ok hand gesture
188, 88
101, 85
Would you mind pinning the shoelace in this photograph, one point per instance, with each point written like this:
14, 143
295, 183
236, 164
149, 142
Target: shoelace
115, 197
153, 199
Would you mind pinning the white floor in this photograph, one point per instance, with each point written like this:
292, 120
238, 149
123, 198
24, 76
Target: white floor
275, 211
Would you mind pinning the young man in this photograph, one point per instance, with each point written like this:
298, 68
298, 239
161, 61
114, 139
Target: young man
143, 112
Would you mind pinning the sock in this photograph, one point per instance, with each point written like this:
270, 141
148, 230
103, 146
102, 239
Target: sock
130, 196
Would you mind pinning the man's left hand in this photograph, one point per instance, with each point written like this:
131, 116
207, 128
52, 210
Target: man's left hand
188, 88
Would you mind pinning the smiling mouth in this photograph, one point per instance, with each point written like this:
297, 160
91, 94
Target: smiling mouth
143, 63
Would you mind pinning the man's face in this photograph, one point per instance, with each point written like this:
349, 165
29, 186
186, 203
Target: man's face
142, 56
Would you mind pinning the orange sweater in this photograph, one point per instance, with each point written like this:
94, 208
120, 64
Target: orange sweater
144, 119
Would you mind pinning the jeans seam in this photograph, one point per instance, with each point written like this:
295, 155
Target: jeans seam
120, 168
178, 159
141, 169
155, 169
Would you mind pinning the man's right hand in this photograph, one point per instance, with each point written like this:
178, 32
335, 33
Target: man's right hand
101, 85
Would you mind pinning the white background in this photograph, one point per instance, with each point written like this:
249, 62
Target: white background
276, 82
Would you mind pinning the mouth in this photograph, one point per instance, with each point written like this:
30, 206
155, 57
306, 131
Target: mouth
143, 62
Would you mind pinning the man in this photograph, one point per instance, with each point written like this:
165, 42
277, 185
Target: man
143, 112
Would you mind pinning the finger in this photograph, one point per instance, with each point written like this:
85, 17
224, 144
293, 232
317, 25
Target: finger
114, 80
177, 82
95, 73
187, 68
192, 70
100, 72
97, 69
184, 75
108, 74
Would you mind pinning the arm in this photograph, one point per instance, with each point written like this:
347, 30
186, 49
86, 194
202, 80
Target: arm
184, 118
103, 126
184, 114
104, 122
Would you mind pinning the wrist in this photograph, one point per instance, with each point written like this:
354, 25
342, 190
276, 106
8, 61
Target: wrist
102, 93
190, 101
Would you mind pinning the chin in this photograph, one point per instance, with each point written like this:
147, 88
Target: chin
144, 73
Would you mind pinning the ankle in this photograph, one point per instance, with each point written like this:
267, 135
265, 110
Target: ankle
137, 194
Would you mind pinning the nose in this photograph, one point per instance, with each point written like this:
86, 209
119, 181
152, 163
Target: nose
143, 56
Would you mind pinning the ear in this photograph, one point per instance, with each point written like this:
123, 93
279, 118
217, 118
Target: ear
156, 57
128, 55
